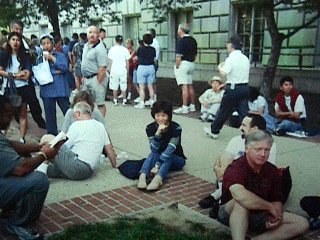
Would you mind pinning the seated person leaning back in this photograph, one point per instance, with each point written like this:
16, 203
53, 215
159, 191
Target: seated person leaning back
80, 155
84, 96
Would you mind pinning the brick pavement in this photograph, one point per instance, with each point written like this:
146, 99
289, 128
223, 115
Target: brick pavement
181, 187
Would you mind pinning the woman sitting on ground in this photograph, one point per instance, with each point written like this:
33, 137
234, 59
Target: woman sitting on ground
258, 105
165, 144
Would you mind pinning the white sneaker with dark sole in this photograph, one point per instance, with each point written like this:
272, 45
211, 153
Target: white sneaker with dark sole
181, 110
208, 132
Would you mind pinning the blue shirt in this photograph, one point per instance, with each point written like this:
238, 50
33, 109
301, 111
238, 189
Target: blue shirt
59, 87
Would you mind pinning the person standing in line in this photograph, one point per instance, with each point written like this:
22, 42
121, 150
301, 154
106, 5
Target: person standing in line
119, 68
236, 95
56, 92
156, 45
133, 65
94, 68
185, 56
146, 72
34, 105
75, 39
77, 58
15, 65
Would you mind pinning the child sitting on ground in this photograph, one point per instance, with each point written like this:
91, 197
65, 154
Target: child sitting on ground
210, 100
165, 145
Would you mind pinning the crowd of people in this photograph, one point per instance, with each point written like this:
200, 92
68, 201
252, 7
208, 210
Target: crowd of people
248, 182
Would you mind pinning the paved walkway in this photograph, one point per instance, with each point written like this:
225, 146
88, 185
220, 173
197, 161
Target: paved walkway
108, 194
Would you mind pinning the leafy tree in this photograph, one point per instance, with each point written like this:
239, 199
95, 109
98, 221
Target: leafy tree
312, 10
33, 10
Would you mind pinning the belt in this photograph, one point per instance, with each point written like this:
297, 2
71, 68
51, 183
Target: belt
237, 84
91, 76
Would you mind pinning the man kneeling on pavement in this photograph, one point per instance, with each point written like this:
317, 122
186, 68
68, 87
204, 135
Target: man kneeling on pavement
252, 195
80, 155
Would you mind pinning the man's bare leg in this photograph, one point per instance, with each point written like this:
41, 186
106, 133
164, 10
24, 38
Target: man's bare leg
102, 109
191, 94
292, 226
239, 220
185, 95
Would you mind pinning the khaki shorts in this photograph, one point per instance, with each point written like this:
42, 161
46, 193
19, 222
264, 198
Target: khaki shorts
184, 73
98, 90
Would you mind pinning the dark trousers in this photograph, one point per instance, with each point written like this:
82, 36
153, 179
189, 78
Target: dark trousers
233, 99
35, 109
311, 205
51, 113
23, 197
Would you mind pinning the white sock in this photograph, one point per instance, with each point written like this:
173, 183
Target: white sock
218, 192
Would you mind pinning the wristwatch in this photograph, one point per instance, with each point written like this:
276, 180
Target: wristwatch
13, 75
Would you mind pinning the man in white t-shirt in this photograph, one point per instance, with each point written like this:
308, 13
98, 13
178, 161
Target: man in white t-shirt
119, 67
80, 155
234, 150
290, 109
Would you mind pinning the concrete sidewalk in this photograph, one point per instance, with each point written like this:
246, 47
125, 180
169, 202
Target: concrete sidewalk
108, 194
126, 127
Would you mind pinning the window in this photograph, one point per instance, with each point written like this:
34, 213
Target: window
132, 29
250, 26
176, 18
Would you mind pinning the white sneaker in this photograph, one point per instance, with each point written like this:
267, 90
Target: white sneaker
124, 102
137, 100
203, 117
211, 118
208, 132
140, 105
192, 108
147, 103
115, 102
298, 134
129, 96
181, 110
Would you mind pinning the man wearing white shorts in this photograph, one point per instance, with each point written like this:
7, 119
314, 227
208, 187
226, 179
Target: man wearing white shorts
184, 67
119, 67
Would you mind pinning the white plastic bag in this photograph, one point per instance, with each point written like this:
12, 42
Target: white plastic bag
42, 72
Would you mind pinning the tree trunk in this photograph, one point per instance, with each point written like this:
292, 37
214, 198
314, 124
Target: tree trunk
53, 14
276, 43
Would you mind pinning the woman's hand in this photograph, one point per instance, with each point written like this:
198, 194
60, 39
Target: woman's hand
50, 57
162, 128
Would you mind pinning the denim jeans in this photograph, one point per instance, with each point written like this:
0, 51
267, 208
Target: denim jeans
175, 163
289, 126
25, 196
50, 111
233, 100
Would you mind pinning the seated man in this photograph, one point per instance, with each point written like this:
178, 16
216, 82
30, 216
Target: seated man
79, 156
22, 190
234, 150
290, 109
252, 198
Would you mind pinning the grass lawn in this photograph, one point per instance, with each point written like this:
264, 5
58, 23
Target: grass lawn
132, 229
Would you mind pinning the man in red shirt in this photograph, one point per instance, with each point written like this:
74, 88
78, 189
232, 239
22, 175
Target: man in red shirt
252, 198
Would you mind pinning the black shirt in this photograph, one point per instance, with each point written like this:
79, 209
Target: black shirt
187, 48
146, 55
